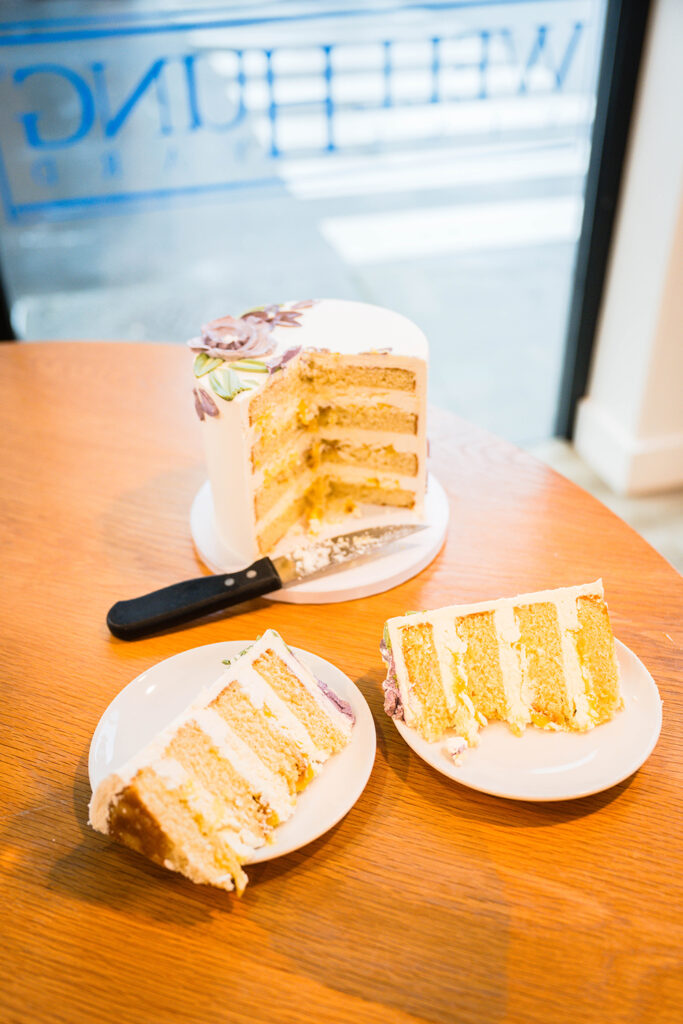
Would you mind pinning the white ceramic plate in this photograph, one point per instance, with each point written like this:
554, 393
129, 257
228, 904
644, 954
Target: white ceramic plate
153, 699
400, 562
544, 765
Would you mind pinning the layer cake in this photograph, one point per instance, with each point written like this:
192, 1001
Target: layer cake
210, 788
311, 412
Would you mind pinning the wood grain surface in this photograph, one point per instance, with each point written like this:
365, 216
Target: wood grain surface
429, 901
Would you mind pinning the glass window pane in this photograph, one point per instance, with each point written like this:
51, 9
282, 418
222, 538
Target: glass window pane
165, 163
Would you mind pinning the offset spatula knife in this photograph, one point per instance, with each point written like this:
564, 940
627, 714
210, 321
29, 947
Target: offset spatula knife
182, 602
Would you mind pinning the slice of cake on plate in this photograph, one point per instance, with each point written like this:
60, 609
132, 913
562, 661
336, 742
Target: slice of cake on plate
545, 659
210, 788
310, 411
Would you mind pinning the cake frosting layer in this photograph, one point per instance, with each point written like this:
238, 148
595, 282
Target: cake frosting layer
545, 658
327, 372
211, 786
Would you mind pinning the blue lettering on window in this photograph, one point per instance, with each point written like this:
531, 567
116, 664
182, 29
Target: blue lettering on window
541, 48
264, 103
112, 123
196, 120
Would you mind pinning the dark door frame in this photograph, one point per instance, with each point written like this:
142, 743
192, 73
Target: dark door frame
6, 331
624, 35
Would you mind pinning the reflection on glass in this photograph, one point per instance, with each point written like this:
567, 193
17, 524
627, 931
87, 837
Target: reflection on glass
163, 165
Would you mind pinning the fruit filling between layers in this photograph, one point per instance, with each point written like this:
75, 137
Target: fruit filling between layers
546, 659
212, 788
329, 435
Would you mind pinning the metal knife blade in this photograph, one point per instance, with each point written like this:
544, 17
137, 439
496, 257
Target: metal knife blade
311, 560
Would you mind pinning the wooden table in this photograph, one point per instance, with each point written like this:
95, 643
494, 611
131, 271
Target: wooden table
429, 901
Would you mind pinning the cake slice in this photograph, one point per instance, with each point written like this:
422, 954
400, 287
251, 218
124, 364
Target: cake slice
545, 659
210, 788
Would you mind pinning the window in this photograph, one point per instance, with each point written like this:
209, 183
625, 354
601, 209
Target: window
163, 164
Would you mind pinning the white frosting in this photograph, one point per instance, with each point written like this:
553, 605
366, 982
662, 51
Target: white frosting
412, 708
567, 614
171, 772
352, 329
447, 644
507, 631
565, 597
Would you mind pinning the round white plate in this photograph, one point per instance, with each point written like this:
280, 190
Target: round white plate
400, 562
542, 765
154, 698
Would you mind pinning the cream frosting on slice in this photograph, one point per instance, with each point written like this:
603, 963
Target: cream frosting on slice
450, 647
567, 614
412, 708
448, 644
565, 597
507, 631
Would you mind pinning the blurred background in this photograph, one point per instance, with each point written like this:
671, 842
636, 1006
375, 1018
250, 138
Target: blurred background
162, 163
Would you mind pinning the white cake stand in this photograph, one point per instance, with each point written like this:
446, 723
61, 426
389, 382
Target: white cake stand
400, 562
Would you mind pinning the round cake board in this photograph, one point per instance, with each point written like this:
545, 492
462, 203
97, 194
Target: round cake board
400, 562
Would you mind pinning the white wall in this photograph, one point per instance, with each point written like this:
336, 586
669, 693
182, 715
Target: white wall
629, 427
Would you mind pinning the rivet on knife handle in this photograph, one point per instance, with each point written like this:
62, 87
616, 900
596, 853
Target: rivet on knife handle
182, 602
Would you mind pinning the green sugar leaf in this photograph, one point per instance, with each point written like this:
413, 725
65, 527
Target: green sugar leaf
205, 364
226, 383
250, 365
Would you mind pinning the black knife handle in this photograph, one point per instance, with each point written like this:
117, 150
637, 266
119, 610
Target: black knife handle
182, 602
